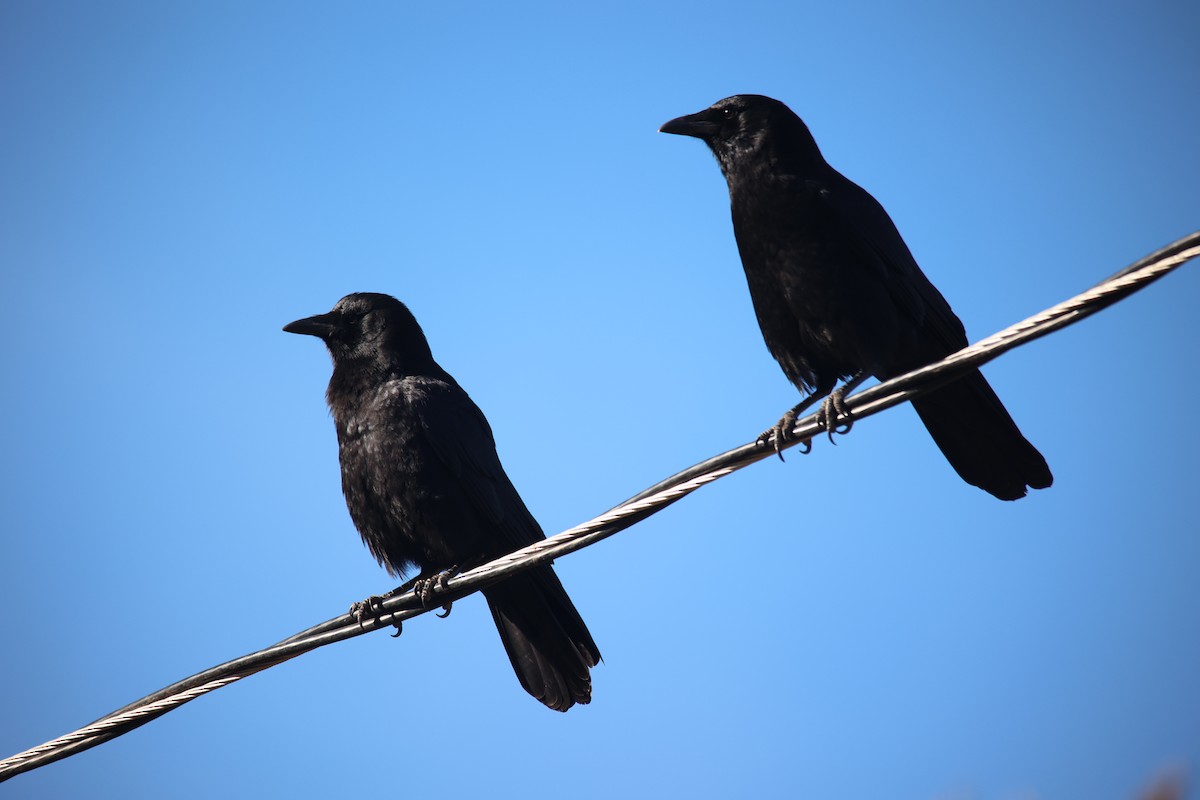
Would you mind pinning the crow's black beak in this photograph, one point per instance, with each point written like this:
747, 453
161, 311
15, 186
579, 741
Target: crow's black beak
321, 326
692, 125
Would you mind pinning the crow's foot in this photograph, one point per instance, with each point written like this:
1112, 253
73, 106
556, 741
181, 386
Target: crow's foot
835, 416
781, 431
425, 588
778, 433
372, 608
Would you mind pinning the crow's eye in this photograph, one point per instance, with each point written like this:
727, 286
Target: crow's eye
728, 113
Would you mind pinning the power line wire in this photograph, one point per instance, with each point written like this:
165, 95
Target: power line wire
403, 607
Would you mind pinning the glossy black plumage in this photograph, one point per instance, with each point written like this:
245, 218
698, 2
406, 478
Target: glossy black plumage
837, 292
425, 487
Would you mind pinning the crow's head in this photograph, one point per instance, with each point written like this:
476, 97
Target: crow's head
368, 327
749, 130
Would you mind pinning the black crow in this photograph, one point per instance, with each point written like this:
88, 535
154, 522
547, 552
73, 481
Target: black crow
839, 296
425, 487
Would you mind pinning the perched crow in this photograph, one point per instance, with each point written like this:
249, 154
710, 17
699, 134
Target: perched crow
425, 487
838, 294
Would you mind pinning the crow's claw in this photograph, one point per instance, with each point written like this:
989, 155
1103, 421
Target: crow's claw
367, 609
781, 431
835, 416
765, 439
371, 609
426, 588
778, 433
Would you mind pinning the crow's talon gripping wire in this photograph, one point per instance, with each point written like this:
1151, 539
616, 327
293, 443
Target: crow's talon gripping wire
835, 416
779, 433
426, 588
370, 608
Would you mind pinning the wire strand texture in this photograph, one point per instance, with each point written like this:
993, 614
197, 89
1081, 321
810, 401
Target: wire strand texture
396, 610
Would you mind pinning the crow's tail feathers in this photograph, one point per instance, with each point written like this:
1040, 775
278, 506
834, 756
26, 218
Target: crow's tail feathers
547, 642
980, 440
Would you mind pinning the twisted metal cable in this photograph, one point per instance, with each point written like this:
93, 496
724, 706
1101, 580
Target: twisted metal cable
406, 606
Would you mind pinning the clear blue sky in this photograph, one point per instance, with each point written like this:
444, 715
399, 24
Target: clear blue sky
178, 180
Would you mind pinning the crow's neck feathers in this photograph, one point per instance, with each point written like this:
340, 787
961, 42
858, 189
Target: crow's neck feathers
779, 147
392, 348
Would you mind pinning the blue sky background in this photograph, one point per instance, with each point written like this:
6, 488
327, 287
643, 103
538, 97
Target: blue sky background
178, 180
